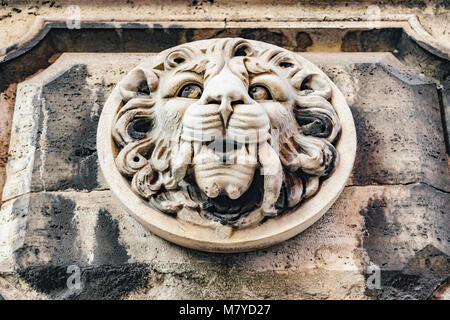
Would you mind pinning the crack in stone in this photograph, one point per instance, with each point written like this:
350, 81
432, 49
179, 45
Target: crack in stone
347, 186
399, 184
54, 192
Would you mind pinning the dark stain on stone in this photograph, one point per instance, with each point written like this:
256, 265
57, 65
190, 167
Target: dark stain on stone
368, 140
434, 142
425, 270
176, 26
386, 40
107, 282
266, 35
199, 4
429, 262
46, 279
136, 40
68, 118
133, 25
189, 35
62, 229
444, 118
313, 123
93, 25
112, 282
109, 250
128, 38
111, 277
374, 213
421, 4
418, 280
381, 141
303, 41
58, 240
376, 227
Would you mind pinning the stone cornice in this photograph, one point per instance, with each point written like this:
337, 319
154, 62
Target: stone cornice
409, 23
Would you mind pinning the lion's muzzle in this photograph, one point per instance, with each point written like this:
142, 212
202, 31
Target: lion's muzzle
224, 160
223, 137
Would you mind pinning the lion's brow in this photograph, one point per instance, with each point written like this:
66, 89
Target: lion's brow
198, 67
256, 68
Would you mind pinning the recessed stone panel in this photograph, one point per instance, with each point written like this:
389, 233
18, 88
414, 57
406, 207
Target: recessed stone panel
54, 129
397, 118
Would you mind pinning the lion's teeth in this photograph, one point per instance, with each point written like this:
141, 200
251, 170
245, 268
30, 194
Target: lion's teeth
212, 191
273, 178
197, 146
233, 191
181, 160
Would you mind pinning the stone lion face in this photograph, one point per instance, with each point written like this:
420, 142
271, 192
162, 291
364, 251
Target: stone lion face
225, 131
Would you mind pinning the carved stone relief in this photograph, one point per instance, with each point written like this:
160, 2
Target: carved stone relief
226, 144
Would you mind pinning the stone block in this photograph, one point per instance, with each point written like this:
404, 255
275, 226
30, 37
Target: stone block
397, 118
53, 143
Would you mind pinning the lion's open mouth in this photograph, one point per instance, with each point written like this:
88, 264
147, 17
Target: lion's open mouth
231, 168
226, 210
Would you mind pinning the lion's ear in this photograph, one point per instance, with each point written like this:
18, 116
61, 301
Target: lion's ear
139, 82
180, 56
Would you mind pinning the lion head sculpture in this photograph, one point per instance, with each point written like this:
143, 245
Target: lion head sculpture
225, 131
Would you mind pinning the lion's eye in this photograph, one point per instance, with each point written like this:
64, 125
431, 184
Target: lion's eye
259, 92
191, 91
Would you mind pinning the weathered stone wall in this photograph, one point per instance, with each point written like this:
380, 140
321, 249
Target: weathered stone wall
57, 210
17, 17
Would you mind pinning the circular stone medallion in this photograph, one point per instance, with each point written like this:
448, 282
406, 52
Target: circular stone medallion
226, 145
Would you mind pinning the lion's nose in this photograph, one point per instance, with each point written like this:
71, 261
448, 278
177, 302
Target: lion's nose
225, 90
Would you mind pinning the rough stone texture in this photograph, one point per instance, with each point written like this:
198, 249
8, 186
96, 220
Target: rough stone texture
7, 99
418, 279
397, 119
56, 218
442, 292
18, 16
56, 117
101, 238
